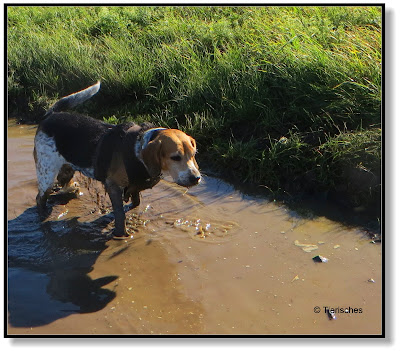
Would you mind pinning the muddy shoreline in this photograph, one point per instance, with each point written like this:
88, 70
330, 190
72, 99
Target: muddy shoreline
207, 261
356, 195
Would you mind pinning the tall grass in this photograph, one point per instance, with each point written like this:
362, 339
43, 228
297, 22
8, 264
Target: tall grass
265, 90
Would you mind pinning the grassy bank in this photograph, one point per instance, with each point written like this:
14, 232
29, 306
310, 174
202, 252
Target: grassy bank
285, 97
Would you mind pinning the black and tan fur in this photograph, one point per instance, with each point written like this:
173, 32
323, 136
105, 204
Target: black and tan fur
126, 158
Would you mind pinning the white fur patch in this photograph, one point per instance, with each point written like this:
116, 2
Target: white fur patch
49, 162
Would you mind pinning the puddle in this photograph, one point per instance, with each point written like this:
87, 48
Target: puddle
210, 260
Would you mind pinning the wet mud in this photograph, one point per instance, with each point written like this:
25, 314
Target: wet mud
209, 260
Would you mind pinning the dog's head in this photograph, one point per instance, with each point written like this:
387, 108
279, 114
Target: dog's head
173, 152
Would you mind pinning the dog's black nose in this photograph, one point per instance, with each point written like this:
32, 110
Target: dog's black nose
194, 179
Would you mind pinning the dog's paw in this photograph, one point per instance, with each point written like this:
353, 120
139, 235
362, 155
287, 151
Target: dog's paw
119, 236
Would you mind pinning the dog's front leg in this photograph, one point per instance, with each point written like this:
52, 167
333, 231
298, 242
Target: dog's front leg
115, 194
131, 192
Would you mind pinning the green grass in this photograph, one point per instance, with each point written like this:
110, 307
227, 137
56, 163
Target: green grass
286, 97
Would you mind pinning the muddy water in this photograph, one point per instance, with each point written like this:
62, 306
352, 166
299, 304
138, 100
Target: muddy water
205, 261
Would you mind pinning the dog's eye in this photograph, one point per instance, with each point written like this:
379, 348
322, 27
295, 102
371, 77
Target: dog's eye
176, 158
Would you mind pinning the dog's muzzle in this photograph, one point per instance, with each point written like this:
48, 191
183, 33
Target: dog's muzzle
194, 179
189, 180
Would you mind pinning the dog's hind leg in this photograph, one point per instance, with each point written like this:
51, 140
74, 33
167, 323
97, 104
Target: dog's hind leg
48, 163
45, 178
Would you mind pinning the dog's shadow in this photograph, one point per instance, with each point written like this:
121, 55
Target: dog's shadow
48, 266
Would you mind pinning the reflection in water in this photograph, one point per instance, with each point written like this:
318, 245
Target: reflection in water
62, 293
77, 287
48, 266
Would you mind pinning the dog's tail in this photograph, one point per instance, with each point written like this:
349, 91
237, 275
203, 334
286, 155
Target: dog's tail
75, 99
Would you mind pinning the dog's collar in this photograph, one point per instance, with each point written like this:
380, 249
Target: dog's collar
144, 140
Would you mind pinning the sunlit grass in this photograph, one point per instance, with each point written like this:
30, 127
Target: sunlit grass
266, 91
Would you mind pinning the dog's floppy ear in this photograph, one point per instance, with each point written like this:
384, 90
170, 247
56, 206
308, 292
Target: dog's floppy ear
151, 156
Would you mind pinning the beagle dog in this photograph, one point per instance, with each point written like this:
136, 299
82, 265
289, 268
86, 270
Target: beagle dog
126, 158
